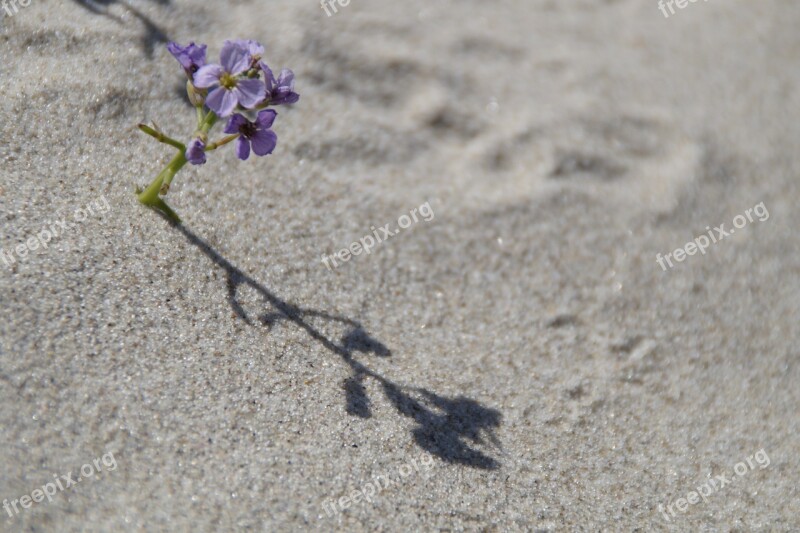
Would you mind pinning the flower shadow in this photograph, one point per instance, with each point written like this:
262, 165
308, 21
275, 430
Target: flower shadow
448, 428
153, 35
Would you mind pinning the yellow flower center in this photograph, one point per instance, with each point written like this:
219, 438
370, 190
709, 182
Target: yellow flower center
227, 81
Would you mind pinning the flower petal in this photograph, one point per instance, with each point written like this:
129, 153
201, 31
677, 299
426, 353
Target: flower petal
234, 57
286, 79
266, 118
242, 148
284, 92
284, 99
264, 142
177, 51
196, 153
235, 123
221, 101
254, 48
250, 92
269, 77
207, 76
197, 53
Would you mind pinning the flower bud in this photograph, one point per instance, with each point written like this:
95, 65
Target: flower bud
197, 97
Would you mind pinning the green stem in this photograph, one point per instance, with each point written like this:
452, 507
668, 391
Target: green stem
221, 142
160, 185
209, 122
200, 116
160, 137
150, 196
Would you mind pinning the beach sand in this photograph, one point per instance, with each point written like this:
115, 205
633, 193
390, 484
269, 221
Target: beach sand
519, 361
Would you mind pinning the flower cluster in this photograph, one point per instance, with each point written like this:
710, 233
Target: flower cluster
236, 84
239, 88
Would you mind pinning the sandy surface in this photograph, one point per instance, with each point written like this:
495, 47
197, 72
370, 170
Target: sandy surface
520, 362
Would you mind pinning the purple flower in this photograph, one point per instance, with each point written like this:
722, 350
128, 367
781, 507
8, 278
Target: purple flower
280, 91
227, 88
257, 133
191, 57
253, 48
196, 153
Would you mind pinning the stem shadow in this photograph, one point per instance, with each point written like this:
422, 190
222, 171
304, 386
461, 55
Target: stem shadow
153, 35
446, 427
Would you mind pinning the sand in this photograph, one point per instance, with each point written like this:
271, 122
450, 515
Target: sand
519, 362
